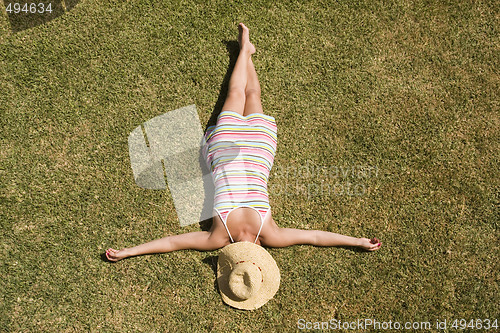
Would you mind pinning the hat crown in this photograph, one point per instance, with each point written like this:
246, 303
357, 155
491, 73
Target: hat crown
245, 280
247, 275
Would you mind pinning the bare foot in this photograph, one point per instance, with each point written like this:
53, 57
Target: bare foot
370, 244
244, 39
115, 255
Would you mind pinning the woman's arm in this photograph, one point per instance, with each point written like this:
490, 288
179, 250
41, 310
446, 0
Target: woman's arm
282, 237
199, 240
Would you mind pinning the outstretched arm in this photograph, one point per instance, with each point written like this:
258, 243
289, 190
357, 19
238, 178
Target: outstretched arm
200, 240
282, 237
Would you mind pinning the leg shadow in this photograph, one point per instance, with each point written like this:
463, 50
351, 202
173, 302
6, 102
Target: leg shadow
233, 48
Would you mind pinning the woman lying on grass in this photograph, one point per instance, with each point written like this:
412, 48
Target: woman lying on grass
240, 151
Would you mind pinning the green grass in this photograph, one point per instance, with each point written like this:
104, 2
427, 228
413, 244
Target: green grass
408, 88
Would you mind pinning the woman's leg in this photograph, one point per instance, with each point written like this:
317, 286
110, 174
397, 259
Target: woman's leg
252, 92
236, 96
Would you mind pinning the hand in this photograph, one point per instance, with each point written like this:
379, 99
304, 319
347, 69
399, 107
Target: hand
369, 244
116, 255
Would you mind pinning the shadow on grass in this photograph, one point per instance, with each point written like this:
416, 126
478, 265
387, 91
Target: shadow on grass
212, 262
353, 249
206, 224
233, 49
103, 257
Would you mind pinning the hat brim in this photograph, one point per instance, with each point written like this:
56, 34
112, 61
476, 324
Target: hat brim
246, 251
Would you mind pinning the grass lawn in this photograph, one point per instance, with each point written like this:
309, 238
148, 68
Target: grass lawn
388, 126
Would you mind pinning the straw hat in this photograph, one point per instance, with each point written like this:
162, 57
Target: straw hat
247, 275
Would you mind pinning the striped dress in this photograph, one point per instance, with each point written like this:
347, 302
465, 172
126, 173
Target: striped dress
240, 152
